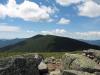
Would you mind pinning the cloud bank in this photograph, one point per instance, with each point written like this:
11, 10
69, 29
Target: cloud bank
26, 10
6, 28
77, 35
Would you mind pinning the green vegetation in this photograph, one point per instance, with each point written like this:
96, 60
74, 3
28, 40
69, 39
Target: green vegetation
45, 54
7, 54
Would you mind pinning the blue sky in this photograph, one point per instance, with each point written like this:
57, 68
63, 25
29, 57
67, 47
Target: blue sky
79, 19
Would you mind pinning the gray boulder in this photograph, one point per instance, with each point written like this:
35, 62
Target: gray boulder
20, 65
74, 72
79, 62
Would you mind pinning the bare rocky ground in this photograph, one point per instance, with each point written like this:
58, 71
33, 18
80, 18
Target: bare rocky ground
54, 65
87, 63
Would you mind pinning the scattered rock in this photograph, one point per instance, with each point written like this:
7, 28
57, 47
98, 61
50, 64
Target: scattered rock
43, 70
42, 65
35, 64
93, 54
50, 60
56, 72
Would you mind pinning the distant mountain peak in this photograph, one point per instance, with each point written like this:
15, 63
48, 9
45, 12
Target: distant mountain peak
38, 36
51, 43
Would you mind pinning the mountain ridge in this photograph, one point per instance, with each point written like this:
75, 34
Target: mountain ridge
6, 42
50, 43
93, 42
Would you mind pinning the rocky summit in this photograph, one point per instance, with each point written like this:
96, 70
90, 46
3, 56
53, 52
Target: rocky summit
36, 64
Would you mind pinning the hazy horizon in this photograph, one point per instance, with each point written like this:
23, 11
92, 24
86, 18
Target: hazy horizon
44, 35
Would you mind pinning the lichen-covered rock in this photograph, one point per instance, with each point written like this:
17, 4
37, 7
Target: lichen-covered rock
79, 62
74, 72
97, 73
20, 65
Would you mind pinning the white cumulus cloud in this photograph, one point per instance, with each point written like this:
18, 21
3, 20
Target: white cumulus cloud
68, 2
89, 8
54, 32
27, 10
64, 21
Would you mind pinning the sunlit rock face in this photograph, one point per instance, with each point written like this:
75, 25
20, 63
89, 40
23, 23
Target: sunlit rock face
77, 62
20, 65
